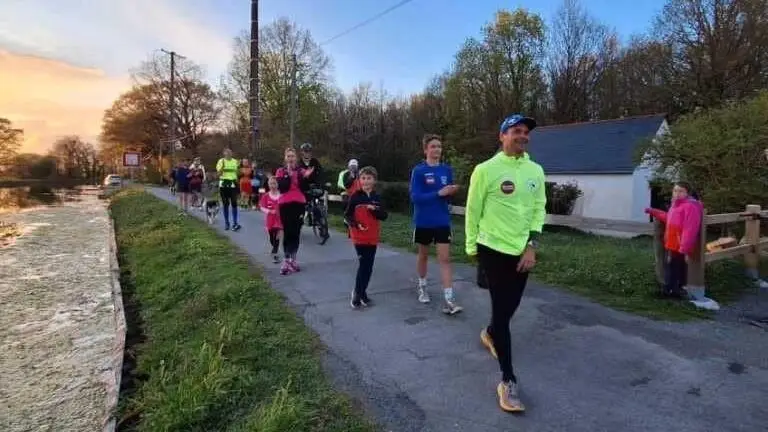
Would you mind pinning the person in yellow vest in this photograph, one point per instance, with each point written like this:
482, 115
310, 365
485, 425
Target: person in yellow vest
227, 168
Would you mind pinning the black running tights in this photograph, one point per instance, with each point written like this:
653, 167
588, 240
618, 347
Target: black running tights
274, 239
506, 287
290, 215
365, 255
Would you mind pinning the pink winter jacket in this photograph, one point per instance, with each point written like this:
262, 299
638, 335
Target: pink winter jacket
683, 221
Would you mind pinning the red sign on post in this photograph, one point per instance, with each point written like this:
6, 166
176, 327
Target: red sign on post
131, 159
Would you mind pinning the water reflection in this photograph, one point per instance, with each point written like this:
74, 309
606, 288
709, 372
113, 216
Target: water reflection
20, 197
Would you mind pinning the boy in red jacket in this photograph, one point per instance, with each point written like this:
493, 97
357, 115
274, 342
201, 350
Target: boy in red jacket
363, 217
683, 221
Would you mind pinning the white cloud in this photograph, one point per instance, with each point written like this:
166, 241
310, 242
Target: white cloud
113, 35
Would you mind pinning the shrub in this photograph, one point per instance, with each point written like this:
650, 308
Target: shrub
561, 198
396, 196
720, 152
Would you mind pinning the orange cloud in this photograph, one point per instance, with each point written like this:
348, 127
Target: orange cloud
49, 98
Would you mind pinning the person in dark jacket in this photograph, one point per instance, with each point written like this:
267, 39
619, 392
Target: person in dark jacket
363, 216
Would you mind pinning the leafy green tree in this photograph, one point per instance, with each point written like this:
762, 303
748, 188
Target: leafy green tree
721, 152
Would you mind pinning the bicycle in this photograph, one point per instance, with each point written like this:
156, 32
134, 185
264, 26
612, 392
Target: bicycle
317, 213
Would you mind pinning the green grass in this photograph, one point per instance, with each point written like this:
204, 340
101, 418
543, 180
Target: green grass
221, 351
617, 273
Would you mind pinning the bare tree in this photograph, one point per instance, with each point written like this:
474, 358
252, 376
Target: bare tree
198, 107
279, 43
77, 159
719, 47
576, 63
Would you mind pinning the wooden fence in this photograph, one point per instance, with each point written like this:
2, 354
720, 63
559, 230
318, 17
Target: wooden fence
578, 222
749, 247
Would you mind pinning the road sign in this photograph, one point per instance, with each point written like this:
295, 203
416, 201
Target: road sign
131, 159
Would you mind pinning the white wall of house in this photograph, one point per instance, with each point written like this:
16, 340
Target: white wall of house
605, 196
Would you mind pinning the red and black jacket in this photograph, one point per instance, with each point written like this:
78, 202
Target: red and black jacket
364, 223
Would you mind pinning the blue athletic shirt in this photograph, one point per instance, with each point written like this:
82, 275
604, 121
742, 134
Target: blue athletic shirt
181, 175
430, 210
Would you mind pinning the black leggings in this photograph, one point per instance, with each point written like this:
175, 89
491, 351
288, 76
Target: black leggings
675, 273
290, 216
365, 255
274, 239
229, 201
506, 287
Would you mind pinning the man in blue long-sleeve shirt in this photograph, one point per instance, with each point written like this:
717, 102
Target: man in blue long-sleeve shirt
431, 187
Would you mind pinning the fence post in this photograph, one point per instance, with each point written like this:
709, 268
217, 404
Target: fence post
660, 254
752, 237
696, 285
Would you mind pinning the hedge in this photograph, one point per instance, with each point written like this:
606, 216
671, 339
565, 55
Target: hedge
561, 198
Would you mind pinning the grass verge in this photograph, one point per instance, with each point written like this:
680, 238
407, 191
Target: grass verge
219, 349
617, 273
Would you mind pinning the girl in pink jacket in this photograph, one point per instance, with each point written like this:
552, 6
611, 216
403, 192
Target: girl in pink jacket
683, 221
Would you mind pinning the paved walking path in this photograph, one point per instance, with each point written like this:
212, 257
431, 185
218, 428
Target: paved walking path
582, 367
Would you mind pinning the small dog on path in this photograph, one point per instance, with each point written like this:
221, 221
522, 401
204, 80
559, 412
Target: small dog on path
211, 210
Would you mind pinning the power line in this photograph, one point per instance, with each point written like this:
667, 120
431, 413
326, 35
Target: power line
366, 22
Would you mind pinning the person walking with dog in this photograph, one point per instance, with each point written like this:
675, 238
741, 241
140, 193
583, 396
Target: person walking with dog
227, 169
431, 187
290, 179
270, 206
504, 218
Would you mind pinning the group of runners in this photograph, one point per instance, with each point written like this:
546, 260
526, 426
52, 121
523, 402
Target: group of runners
505, 213
504, 217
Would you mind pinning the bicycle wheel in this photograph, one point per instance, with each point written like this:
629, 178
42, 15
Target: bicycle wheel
321, 223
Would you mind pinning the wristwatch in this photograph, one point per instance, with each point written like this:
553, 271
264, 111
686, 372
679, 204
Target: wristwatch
533, 244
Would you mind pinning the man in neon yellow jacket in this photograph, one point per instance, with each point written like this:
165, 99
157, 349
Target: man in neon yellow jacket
505, 214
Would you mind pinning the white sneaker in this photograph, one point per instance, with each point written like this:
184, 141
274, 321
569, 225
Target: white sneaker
423, 294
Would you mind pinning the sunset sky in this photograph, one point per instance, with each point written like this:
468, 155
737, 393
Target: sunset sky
62, 62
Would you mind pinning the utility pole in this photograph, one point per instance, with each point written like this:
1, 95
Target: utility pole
253, 98
172, 104
294, 100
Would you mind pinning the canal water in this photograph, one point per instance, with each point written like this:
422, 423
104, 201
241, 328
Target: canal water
34, 195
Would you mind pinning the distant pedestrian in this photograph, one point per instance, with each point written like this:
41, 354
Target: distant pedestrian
270, 206
183, 177
227, 169
505, 214
431, 188
246, 188
683, 224
363, 215
196, 182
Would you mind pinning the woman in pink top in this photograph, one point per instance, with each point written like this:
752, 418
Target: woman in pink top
270, 206
292, 205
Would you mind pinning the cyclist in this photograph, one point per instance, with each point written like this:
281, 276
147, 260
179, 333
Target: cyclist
196, 182
504, 217
431, 188
306, 162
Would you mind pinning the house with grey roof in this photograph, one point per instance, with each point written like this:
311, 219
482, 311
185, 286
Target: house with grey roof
599, 158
